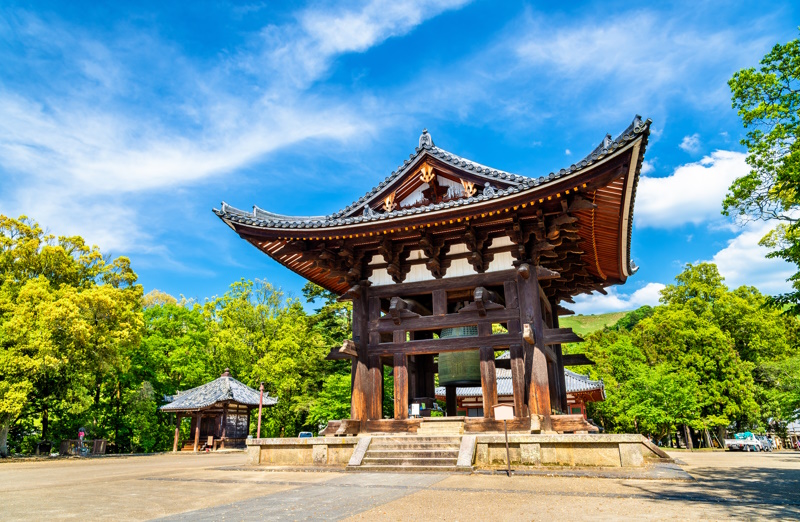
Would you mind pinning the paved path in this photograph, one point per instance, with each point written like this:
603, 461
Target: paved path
214, 487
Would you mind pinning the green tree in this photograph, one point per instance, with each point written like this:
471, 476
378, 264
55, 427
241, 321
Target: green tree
768, 101
67, 317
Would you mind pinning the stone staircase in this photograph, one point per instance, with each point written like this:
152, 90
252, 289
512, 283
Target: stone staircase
412, 453
434, 426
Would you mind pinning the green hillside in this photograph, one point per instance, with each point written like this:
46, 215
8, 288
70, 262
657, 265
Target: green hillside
584, 325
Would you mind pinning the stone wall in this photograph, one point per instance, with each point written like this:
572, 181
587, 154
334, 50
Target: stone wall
315, 451
606, 450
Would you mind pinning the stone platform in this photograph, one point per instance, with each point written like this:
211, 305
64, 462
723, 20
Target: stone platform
398, 452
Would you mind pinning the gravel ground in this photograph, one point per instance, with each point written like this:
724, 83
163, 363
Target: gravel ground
214, 487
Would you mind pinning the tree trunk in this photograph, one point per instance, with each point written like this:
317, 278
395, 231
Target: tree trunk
708, 438
44, 423
688, 436
4, 427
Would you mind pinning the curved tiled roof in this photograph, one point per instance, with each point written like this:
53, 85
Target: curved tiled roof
226, 388
353, 213
575, 382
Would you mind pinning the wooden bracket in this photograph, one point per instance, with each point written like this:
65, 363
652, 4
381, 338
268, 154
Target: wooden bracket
528, 333
351, 295
400, 309
484, 300
349, 348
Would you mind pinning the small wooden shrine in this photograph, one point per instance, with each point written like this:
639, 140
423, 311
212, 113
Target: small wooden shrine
445, 246
220, 413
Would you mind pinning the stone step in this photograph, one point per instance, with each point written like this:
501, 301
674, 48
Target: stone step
416, 438
408, 469
441, 446
368, 461
413, 453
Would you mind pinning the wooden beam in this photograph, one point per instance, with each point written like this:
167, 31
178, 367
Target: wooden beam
435, 322
561, 336
577, 359
572, 423
452, 344
448, 283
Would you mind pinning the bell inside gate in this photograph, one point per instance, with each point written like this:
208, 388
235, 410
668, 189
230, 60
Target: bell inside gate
460, 368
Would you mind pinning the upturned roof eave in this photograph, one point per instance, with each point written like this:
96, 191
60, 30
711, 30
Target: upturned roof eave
399, 218
637, 131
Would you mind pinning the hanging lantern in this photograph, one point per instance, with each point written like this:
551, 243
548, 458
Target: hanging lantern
460, 368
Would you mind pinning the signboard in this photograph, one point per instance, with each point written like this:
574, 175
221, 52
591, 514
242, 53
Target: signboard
503, 412
415, 410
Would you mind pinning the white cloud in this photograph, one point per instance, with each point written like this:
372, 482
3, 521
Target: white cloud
691, 144
693, 193
744, 262
616, 301
568, 152
647, 167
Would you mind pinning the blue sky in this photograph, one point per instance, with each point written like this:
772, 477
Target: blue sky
127, 123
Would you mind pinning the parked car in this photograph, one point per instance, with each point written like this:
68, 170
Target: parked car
766, 444
305, 435
744, 442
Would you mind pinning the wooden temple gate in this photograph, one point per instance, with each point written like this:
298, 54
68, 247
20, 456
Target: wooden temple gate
428, 249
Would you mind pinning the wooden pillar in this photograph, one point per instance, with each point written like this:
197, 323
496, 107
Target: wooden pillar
537, 384
562, 380
518, 380
224, 425
197, 430
177, 432
376, 378
488, 381
361, 405
451, 400
400, 386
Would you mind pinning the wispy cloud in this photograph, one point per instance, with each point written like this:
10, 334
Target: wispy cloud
99, 126
691, 144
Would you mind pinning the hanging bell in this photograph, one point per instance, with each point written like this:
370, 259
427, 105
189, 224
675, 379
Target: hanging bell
460, 368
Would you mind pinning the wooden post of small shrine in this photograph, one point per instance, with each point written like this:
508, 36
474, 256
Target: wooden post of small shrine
197, 431
177, 432
224, 425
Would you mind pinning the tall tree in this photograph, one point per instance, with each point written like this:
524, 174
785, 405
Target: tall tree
768, 101
67, 317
